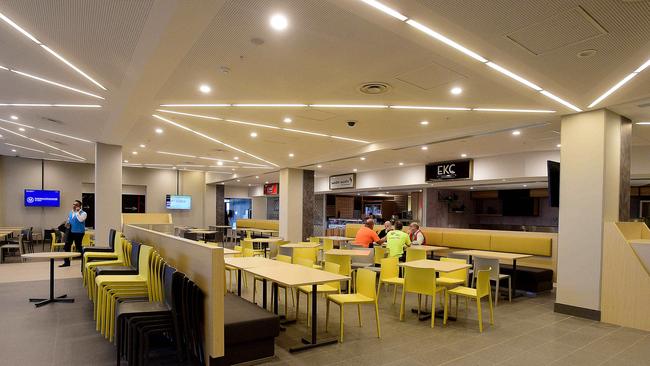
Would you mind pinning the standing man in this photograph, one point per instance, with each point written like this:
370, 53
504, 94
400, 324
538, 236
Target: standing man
416, 236
76, 219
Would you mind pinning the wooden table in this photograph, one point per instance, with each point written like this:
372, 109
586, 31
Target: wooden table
498, 255
427, 248
292, 275
261, 231
304, 244
349, 252
202, 232
244, 263
51, 256
434, 266
336, 239
265, 242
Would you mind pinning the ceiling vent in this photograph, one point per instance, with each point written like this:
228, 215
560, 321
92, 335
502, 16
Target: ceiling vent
374, 88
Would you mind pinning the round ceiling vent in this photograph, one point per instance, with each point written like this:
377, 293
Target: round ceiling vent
374, 88
586, 53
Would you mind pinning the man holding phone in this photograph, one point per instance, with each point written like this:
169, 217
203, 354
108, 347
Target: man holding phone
76, 222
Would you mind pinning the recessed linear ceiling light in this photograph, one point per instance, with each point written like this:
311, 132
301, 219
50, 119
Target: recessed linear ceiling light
430, 108
643, 123
369, 106
512, 110
21, 129
175, 154
620, 83
33, 39
456, 91
15, 123
42, 143
13, 150
55, 83
430, 32
33, 105
290, 105
210, 138
64, 135
25, 148
15, 118
260, 125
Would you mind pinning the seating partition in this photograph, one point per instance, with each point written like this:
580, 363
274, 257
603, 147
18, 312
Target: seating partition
258, 224
160, 222
625, 280
203, 264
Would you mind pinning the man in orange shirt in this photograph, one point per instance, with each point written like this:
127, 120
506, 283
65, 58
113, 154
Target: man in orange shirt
366, 236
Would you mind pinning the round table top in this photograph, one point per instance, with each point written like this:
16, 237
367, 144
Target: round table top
52, 255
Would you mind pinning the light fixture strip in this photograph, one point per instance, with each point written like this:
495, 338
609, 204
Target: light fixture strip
614, 88
55, 83
211, 138
560, 100
430, 108
349, 139
176, 154
15, 123
64, 135
514, 76
42, 143
217, 159
368, 106
305, 132
66, 157
25, 148
512, 110
50, 105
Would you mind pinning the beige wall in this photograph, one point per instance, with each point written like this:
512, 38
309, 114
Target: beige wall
72, 179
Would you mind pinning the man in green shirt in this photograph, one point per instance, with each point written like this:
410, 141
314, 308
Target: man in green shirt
397, 240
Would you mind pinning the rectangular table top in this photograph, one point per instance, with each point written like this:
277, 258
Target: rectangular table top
300, 245
292, 275
264, 240
259, 230
227, 251
350, 252
493, 255
251, 262
201, 231
438, 266
427, 248
336, 238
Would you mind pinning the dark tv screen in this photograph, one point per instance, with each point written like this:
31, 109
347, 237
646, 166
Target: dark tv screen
517, 202
553, 170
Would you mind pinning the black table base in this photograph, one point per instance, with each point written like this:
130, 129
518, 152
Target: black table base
51, 299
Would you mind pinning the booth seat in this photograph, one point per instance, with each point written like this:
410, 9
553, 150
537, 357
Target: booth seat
351, 229
258, 224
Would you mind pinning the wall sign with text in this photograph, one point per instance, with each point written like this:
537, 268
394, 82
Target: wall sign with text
271, 189
343, 181
449, 170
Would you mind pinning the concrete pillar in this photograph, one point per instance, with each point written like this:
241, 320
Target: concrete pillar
296, 204
221, 206
594, 189
108, 190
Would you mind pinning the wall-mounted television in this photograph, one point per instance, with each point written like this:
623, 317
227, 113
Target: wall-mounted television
177, 202
553, 170
518, 202
42, 198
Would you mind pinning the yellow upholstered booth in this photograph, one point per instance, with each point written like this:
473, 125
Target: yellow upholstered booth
258, 224
521, 244
466, 240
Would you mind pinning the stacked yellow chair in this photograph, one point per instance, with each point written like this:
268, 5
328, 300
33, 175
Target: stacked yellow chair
120, 257
365, 294
103, 256
420, 281
110, 288
482, 290
389, 275
328, 288
55, 246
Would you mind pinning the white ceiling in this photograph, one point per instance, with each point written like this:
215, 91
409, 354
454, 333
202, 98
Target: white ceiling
148, 53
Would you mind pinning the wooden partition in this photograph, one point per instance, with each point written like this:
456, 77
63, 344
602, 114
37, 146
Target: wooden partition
625, 282
204, 265
160, 222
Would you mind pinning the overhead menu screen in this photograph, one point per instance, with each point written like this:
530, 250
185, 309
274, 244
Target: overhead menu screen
175, 202
42, 198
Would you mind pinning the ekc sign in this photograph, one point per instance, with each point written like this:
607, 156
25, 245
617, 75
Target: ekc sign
448, 170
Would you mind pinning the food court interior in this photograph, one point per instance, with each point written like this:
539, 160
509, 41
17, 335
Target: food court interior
325, 182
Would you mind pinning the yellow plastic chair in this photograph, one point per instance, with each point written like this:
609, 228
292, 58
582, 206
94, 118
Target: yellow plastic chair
55, 246
482, 290
306, 262
314, 240
86, 242
328, 288
421, 281
307, 253
415, 254
328, 244
455, 278
380, 253
286, 259
122, 249
344, 262
247, 244
365, 294
109, 287
389, 275
102, 256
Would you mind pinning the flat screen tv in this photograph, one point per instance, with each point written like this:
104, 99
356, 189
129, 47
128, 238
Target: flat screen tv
517, 202
553, 170
176, 202
42, 198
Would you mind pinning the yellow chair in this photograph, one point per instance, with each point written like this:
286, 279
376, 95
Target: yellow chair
421, 281
86, 242
380, 253
286, 259
233, 271
247, 244
306, 262
455, 278
119, 257
415, 254
389, 275
331, 287
314, 240
307, 253
482, 290
344, 262
55, 246
365, 294
328, 244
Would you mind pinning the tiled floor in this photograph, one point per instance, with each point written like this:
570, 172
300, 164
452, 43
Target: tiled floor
527, 332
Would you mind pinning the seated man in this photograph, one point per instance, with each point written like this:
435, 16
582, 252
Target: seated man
396, 241
366, 236
388, 226
416, 236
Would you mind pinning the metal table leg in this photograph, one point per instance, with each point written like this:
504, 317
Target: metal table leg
239, 282
313, 342
51, 299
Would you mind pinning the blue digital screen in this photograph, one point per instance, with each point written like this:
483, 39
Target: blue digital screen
175, 202
42, 198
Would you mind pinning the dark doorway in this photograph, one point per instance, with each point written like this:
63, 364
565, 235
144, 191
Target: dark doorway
88, 205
